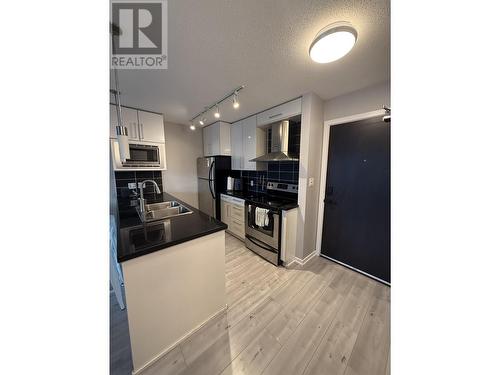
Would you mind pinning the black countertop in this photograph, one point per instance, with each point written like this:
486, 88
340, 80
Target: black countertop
136, 238
267, 200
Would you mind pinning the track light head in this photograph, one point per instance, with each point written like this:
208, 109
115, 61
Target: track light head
236, 103
217, 112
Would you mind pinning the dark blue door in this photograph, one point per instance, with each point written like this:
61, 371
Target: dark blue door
356, 224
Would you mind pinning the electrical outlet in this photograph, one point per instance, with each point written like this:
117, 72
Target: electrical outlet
311, 181
132, 185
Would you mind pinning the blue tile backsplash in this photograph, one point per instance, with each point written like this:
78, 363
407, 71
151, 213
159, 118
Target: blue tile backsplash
278, 171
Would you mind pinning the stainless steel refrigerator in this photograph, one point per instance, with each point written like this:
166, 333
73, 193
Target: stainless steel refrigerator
212, 177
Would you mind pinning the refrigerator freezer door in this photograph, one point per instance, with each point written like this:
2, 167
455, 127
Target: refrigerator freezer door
204, 167
206, 202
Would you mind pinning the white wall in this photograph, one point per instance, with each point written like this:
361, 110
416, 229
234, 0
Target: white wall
311, 133
365, 100
183, 146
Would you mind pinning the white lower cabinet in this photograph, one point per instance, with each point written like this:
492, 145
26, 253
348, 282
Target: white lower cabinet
233, 215
288, 235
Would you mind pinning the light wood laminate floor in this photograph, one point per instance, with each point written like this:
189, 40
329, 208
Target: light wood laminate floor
318, 319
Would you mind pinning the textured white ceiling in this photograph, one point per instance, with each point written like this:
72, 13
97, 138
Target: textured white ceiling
217, 45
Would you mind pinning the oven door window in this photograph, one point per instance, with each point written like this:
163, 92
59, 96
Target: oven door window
144, 154
267, 229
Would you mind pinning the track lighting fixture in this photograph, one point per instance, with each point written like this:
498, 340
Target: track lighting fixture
192, 127
236, 103
202, 120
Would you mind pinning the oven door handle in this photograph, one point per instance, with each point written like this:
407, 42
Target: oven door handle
269, 211
261, 244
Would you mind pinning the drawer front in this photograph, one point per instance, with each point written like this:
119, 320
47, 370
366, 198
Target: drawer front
237, 227
237, 212
238, 201
280, 112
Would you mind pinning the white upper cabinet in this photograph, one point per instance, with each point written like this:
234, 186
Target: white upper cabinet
247, 142
237, 145
151, 127
254, 144
113, 121
280, 112
209, 140
130, 121
217, 139
142, 126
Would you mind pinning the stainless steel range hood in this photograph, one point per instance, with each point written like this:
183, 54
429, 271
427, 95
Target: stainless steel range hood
279, 144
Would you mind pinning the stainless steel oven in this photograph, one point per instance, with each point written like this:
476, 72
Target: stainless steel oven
263, 240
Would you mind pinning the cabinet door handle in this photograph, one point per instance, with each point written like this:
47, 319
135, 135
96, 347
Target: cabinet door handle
276, 115
141, 132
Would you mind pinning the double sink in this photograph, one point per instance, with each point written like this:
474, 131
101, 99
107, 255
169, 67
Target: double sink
163, 210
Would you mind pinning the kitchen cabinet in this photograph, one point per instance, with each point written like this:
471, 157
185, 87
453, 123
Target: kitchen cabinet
237, 145
130, 121
217, 139
280, 112
151, 127
254, 144
233, 215
142, 126
247, 142
288, 235
225, 211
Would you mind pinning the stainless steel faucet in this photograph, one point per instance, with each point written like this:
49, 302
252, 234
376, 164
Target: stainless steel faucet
141, 191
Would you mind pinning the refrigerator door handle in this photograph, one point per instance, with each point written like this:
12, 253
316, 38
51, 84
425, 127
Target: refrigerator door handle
211, 179
210, 182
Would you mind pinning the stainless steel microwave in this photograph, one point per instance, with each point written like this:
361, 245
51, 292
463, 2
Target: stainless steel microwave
142, 156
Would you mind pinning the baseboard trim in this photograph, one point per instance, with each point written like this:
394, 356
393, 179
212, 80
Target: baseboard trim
178, 342
302, 262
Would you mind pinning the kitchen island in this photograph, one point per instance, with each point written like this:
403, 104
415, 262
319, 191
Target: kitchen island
173, 272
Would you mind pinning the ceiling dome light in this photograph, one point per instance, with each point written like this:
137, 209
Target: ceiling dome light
333, 42
217, 112
236, 103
